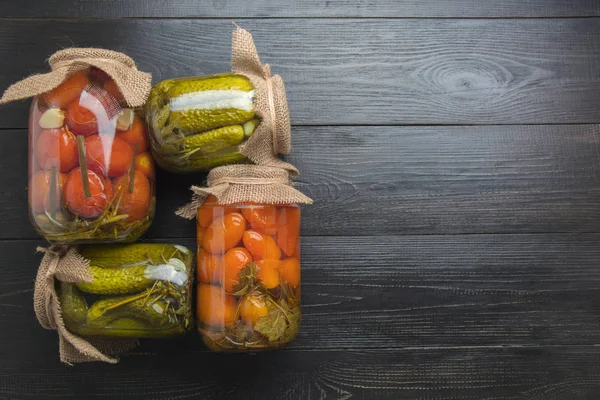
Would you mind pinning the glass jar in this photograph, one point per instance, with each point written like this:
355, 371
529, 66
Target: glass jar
199, 123
139, 291
248, 275
91, 176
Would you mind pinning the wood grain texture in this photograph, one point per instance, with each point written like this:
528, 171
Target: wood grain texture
539, 373
297, 8
398, 291
348, 71
398, 180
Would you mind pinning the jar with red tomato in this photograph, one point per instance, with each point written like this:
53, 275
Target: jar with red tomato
248, 274
91, 176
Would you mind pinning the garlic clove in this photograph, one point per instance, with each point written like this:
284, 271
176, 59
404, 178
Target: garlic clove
52, 118
125, 119
250, 127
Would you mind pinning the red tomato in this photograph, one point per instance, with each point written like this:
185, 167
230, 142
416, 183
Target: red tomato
145, 164
136, 203
108, 156
111, 87
81, 120
56, 147
136, 134
77, 203
67, 91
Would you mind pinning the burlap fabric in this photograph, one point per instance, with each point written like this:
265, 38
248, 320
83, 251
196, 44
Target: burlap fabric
133, 84
242, 183
273, 135
66, 265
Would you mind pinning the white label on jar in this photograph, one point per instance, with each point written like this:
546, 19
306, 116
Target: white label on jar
214, 99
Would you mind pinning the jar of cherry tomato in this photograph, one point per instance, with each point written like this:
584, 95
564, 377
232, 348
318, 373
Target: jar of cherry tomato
91, 176
248, 275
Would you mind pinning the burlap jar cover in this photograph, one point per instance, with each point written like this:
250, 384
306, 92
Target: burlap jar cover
273, 135
64, 264
134, 84
245, 183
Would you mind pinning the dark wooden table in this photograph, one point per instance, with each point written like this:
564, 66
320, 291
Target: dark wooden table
453, 250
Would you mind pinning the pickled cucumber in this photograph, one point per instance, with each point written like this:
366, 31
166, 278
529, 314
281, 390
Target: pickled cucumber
122, 327
182, 86
105, 311
215, 140
73, 305
117, 280
200, 161
203, 104
111, 255
197, 120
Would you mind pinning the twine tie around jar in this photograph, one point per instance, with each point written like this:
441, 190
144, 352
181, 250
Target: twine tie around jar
65, 264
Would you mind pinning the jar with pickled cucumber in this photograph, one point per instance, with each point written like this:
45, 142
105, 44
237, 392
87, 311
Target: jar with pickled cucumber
91, 175
248, 274
199, 123
138, 291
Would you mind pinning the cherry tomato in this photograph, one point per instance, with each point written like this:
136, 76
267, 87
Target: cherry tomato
67, 91
39, 190
252, 308
210, 267
56, 147
144, 163
77, 203
235, 260
108, 156
214, 307
289, 271
81, 120
209, 211
136, 203
268, 272
136, 134
288, 229
261, 246
262, 218
200, 235
224, 233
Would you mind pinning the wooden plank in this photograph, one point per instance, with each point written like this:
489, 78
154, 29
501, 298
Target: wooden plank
399, 291
169, 371
303, 8
398, 180
355, 72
